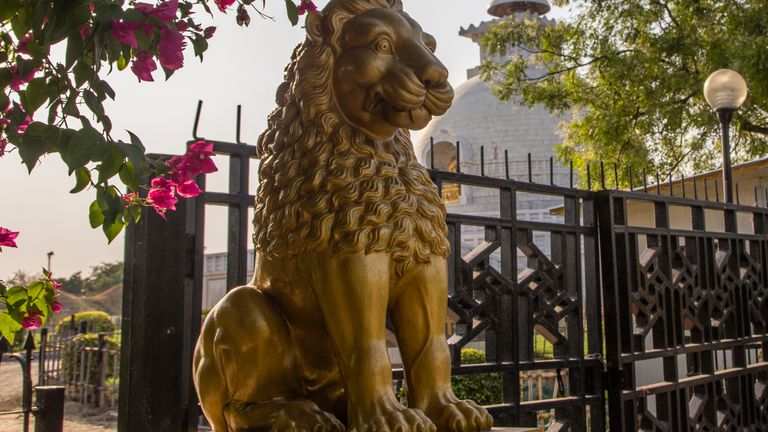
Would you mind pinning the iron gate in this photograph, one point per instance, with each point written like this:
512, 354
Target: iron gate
676, 298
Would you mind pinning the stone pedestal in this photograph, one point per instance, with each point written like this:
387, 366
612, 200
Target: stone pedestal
517, 429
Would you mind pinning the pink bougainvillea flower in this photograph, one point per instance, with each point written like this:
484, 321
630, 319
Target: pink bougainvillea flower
23, 45
169, 51
143, 66
188, 189
24, 125
162, 195
32, 321
92, 7
209, 31
17, 81
123, 32
3, 145
129, 198
55, 284
165, 11
306, 5
224, 4
8, 237
196, 161
85, 31
181, 25
56, 306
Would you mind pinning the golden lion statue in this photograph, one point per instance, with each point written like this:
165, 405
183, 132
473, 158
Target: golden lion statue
349, 229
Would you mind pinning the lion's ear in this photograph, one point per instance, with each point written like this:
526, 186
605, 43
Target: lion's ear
315, 27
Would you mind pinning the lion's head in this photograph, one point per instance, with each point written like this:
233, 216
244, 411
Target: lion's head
338, 169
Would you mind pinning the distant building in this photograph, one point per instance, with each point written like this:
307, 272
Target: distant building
215, 276
478, 119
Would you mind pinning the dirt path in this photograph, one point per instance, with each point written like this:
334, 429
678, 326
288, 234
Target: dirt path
76, 419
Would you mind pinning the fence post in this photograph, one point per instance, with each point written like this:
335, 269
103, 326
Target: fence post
49, 416
159, 325
100, 377
41, 375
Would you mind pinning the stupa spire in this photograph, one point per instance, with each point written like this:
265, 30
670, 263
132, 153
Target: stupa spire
504, 8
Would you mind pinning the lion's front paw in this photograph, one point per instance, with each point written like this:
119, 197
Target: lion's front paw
399, 420
305, 416
463, 416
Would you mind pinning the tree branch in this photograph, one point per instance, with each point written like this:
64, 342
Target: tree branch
750, 127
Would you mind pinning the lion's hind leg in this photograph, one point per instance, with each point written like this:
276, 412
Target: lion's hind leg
244, 369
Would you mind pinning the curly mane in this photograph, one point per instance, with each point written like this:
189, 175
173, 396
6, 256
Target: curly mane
324, 184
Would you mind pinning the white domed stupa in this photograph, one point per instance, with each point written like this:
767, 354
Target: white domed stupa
479, 119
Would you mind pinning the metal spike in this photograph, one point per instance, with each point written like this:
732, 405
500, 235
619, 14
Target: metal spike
197, 119
29, 344
706, 190
571, 174
431, 152
645, 180
682, 183
757, 194
482, 160
658, 184
506, 163
738, 198
616, 175
530, 169
631, 180
458, 156
695, 189
671, 191
552, 170
717, 192
602, 175
589, 177
237, 129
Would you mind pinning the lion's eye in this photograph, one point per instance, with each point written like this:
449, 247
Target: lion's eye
383, 45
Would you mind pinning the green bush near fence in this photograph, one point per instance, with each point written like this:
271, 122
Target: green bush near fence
483, 388
98, 322
79, 363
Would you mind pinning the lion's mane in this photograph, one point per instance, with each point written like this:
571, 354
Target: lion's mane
325, 185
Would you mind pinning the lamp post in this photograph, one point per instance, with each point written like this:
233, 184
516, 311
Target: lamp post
725, 91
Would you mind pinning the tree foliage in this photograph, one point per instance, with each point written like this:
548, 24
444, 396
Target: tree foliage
631, 73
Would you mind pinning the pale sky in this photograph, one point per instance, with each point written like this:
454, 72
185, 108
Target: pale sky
242, 66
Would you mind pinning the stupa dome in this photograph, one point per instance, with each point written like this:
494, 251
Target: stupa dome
502, 8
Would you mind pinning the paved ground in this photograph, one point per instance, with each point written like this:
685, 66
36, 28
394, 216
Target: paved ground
75, 418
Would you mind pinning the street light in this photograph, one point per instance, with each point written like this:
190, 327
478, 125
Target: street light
725, 91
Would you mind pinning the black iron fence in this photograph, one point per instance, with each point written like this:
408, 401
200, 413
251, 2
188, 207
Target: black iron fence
671, 291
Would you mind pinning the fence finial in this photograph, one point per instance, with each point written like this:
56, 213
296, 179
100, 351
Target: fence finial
589, 178
631, 180
570, 173
530, 169
237, 127
482, 160
431, 152
197, 119
506, 163
616, 175
602, 175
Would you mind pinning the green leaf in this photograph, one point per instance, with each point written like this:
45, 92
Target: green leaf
79, 151
112, 161
82, 72
36, 95
4, 99
83, 177
200, 45
16, 295
113, 229
128, 176
95, 216
92, 101
70, 108
293, 11
33, 144
104, 13
75, 47
8, 327
122, 63
103, 87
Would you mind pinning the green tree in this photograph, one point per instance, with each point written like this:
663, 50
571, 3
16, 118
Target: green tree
631, 74
72, 284
103, 277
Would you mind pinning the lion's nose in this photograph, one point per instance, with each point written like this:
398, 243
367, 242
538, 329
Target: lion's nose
432, 72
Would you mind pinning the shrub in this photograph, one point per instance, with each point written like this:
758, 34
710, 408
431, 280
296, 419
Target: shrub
483, 388
79, 360
97, 322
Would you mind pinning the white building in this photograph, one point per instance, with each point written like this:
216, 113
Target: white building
479, 119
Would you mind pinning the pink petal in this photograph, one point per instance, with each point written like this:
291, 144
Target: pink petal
188, 189
169, 51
